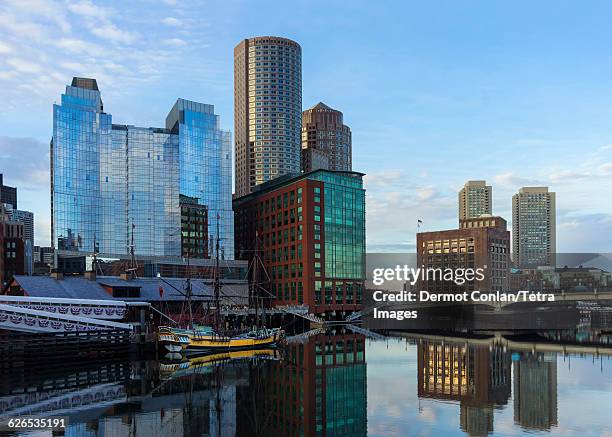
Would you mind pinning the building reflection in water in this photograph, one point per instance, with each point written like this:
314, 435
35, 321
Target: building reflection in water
318, 388
535, 391
478, 376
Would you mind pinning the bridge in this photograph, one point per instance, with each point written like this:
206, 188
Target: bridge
39, 315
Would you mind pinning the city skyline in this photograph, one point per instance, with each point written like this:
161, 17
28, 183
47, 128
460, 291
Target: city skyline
463, 94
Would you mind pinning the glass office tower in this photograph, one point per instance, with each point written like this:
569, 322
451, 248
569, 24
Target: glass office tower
114, 183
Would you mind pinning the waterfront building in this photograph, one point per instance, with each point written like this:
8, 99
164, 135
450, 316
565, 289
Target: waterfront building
27, 218
535, 391
8, 194
323, 130
160, 191
12, 248
267, 110
482, 243
164, 294
310, 230
534, 227
475, 199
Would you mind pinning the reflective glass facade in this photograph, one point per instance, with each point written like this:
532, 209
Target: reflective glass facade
112, 181
344, 206
205, 163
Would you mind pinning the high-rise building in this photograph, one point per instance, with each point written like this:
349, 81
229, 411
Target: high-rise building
310, 231
323, 129
534, 227
267, 110
475, 199
113, 183
8, 194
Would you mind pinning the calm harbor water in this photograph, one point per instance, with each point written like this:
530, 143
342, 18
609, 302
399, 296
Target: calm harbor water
335, 384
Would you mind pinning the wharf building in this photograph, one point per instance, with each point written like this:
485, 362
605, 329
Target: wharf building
326, 140
475, 199
162, 192
534, 227
267, 110
479, 243
309, 230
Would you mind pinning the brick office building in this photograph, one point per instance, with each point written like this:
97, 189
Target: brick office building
311, 238
482, 242
12, 246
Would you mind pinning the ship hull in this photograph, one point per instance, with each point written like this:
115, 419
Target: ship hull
184, 342
216, 343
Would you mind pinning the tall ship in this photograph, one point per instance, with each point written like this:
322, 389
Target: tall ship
214, 338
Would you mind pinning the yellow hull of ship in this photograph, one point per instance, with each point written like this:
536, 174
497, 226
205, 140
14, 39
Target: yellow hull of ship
229, 343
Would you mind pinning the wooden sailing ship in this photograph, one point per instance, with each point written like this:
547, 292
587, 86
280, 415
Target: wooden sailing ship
198, 339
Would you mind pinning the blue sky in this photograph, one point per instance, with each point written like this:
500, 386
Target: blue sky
436, 93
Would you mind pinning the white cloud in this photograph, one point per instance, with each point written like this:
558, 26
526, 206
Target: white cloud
23, 29
567, 176
23, 65
606, 168
51, 11
74, 45
5, 48
426, 193
171, 21
88, 9
74, 66
382, 179
513, 181
112, 33
98, 20
175, 42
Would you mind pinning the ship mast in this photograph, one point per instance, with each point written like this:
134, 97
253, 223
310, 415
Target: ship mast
217, 282
255, 291
189, 288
